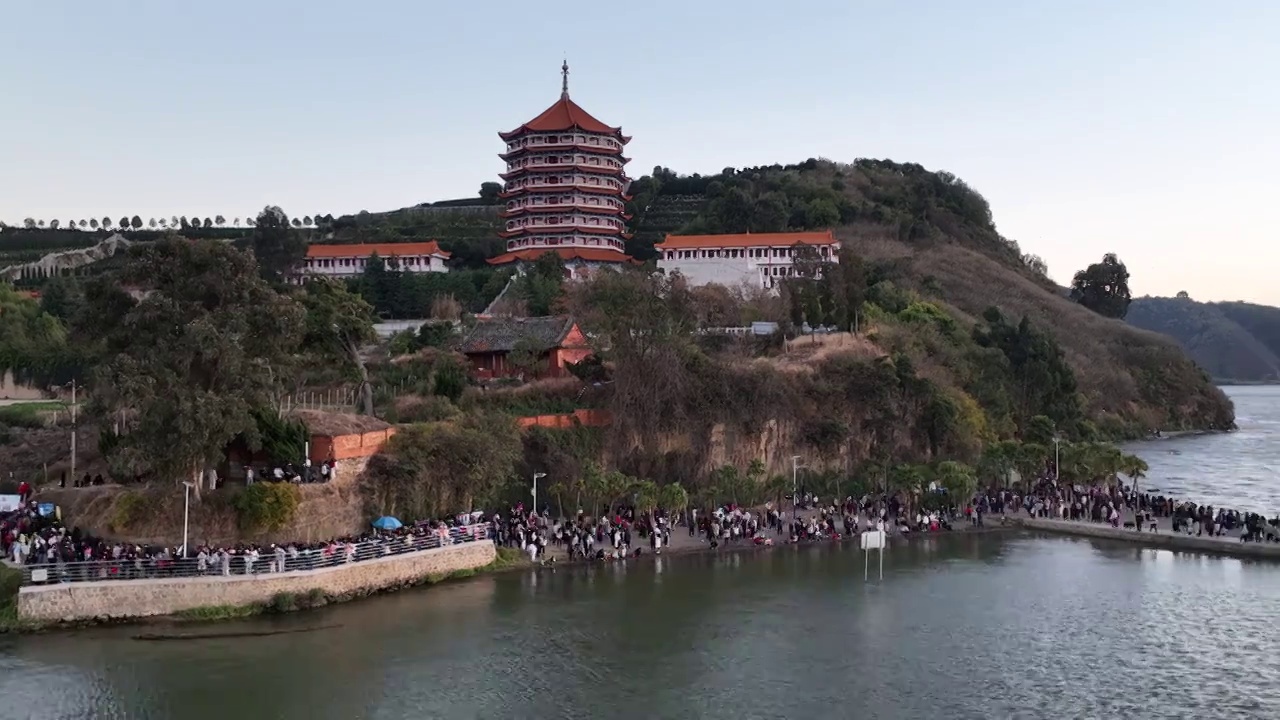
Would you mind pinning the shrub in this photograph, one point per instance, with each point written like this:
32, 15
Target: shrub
266, 506
282, 602
450, 380
432, 408
130, 507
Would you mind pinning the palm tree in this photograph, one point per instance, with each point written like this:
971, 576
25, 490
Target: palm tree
673, 498
958, 479
558, 490
1135, 467
593, 486
1029, 460
644, 494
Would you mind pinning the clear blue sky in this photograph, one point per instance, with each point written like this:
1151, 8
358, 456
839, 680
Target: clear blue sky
1141, 127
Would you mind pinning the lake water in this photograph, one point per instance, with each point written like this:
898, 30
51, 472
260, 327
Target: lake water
1000, 625
1239, 470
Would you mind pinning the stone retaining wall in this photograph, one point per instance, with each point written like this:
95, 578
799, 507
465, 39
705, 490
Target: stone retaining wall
1165, 540
73, 602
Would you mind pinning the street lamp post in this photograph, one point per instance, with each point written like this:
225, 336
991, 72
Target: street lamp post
535, 490
795, 494
186, 516
1057, 468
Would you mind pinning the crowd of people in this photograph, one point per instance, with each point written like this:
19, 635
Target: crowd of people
620, 532
1121, 506
41, 542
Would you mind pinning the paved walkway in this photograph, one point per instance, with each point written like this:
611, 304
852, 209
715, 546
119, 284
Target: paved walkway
1163, 537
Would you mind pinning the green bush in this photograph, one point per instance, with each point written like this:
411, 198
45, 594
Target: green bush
450, 380
266, 506
27, 415
282, 439
130, 507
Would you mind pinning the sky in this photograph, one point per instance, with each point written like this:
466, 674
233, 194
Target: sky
1149, 129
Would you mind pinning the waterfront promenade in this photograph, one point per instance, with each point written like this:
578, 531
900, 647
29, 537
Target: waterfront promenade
1163, 537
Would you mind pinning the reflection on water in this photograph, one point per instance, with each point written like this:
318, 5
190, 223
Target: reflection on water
1236, 469
994, 626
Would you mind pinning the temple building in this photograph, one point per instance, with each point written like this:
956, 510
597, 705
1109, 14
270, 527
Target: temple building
564, 189
345, 261
759, 260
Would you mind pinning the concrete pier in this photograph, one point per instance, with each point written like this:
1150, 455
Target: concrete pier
1163, 537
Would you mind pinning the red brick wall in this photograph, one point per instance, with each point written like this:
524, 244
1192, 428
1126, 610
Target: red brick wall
346, 447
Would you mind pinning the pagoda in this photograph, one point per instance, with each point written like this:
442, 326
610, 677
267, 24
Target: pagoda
564, 190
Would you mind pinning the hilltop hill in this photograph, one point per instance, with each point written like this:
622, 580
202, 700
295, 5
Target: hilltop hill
1232, 341
929, 233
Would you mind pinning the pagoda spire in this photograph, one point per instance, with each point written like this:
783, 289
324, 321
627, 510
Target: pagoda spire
564, 80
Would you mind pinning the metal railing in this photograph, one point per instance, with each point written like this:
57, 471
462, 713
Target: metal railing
267, 561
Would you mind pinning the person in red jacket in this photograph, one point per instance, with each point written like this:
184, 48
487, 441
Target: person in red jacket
24, 491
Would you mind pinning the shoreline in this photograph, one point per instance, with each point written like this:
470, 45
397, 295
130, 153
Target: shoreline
511, 559
1160, 540
283, 603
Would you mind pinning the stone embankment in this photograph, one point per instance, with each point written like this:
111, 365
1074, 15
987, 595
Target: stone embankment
121, 599
1163, 538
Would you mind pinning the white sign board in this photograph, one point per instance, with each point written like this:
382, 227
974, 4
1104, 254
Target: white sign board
873, 540
40, 575
9, 503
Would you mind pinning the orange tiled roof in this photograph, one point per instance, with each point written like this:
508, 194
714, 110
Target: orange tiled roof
383, 250
565, 114
569, 253
742, 240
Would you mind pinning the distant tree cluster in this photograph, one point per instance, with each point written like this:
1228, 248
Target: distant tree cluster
137, 223
1104, 287
397, 293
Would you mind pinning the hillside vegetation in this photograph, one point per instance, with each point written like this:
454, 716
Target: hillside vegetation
928, 236
1232, 341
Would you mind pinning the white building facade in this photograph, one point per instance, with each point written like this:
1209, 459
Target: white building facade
758, 260
344, 261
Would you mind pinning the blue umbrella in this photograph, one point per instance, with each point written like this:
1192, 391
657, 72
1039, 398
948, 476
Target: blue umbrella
386, 522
